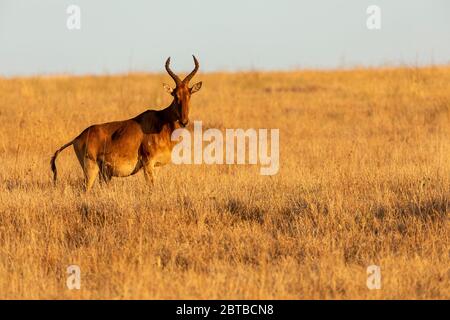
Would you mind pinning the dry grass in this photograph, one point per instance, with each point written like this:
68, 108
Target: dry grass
364, 179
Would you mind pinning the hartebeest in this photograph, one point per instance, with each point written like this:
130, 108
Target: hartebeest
122, 148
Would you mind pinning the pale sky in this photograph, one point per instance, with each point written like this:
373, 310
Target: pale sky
118, 36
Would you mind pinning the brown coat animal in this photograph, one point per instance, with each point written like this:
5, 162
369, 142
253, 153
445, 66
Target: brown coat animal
122, 148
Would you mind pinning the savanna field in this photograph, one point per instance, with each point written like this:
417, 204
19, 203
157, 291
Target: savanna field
364, 179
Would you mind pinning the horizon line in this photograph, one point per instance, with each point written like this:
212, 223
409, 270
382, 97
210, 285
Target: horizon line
385, 66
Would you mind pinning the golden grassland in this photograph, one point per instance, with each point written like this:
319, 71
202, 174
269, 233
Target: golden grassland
364, 179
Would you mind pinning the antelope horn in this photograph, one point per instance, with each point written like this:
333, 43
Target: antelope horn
190, 75
170, 72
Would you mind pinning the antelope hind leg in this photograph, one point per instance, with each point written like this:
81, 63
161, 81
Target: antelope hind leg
91, 170
104, 174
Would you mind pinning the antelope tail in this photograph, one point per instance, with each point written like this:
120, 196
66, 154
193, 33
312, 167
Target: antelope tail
53, 160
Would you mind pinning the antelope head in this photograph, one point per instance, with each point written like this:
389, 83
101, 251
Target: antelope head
182, 92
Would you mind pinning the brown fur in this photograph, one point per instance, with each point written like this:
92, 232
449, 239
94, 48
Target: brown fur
122, 148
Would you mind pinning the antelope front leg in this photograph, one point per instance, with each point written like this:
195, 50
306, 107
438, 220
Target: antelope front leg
149, 172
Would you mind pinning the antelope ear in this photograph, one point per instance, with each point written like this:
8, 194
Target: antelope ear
196, 87
168, 88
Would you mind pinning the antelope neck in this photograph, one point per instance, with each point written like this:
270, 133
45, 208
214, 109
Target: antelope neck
169, 114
